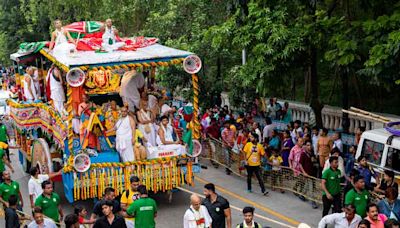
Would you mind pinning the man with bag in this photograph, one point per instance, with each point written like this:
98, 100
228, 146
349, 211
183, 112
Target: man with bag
253, 152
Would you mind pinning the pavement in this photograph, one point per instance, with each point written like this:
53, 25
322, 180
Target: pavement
275, 210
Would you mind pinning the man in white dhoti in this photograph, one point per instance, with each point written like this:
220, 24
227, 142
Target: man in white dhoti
36, 81
59, 40
109, 43
165, 139
29, 86
197, 215
125, 130
131, 82
146, 122
57, 89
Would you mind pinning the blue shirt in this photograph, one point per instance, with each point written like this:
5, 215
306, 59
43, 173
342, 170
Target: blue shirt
274, 142
367, 174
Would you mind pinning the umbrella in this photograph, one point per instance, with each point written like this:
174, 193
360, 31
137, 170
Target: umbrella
83, 28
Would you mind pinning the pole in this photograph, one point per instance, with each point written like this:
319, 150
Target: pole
196, 122
244, 56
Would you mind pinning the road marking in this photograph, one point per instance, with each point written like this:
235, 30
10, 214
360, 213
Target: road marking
252, 203
239, 209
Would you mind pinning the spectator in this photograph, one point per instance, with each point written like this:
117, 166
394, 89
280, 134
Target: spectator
324, 146
367, 172
197, 215
242, 139
11, 216
35, 183
144, 209
287, 113
228, 141
390, 206
377, 220
71, 221
109, 219
40, 221
255, 129
271, 112
387, 181
218, 207
307, 168
358, 134
81, 212
314, 139
253, 152
349, 164
346, 219
128, 197
287, 145
248, 214
109, 195
358, 196
8, 188
4, 161
294, 156
336, 153
274, 141
276, 161
49, 201
337, 141
392, 223
297, 132
364, 224
213, 130
331, 188
267, 131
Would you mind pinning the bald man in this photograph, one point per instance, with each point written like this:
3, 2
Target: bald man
109, 37
197, 215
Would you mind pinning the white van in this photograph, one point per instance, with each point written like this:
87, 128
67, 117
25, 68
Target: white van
381, 149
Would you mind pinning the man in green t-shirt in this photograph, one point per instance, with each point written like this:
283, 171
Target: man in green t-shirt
331, 187
144, 210
3, 162
8, 188
358, 196
49, 201
4, 137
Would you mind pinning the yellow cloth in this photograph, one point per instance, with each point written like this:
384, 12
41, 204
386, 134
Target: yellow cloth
3, 145
133, 195
253, 156
138, 135
233, 128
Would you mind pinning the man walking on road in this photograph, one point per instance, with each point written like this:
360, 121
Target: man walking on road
253, 153
128, 197
40, 221
4, 137
8, 188
35, 183
346, 219
197, 215
3, 162
358, 196
331, 187
49, 201
218, 207
109, 219
248, 214
144, 210
109, 194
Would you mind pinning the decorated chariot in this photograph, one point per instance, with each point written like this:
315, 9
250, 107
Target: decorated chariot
45, 134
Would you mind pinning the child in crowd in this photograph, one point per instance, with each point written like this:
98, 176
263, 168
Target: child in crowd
276, 161
81, 212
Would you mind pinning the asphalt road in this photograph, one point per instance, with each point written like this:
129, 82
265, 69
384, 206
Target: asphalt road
275, 210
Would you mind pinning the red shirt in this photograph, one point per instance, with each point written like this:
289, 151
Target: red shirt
213, 131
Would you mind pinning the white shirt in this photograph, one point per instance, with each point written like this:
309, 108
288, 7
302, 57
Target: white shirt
267, 131
339, 220
189, 219
315, 144
47, 223
338, 144
35, 185
293, 134
253, 225
258, 132
165, 109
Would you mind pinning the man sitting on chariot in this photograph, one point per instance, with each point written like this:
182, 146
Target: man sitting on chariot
110, 34
59, 41
165, 139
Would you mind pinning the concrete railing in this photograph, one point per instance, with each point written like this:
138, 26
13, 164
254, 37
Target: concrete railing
332, 117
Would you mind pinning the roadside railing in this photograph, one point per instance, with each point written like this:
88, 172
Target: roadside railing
285, 179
